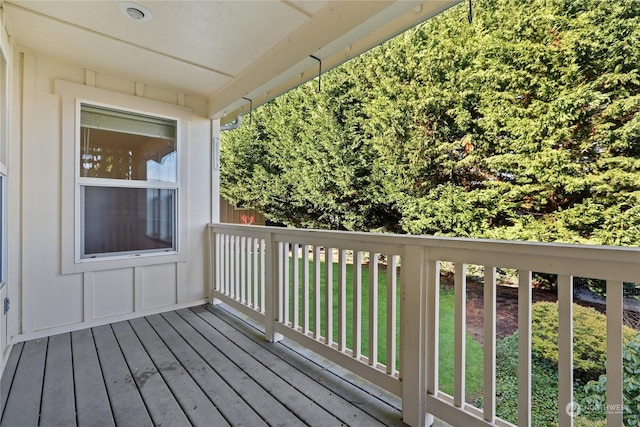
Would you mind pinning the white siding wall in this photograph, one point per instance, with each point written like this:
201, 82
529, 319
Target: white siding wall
53, 301
9, 320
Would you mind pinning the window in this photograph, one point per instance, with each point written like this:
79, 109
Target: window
128, 183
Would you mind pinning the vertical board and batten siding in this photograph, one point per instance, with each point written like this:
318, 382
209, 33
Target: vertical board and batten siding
57, 300
4, 344
7, 322
413, 271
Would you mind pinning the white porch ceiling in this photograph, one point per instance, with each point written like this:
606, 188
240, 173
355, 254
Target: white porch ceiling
223, 50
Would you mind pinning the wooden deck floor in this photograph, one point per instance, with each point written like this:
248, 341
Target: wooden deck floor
201, 366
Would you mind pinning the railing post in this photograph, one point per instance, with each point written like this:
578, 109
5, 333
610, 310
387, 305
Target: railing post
524, 348
413, 337
565, 351
615, 397
272, 289
214, 268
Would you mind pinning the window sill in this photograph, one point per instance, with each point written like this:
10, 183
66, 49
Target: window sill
122, 261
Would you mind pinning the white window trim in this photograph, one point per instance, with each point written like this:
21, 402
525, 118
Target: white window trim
72, 95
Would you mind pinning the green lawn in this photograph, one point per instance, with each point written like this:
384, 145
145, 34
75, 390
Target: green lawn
474, 354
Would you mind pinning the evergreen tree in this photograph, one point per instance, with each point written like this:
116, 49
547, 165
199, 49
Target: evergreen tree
521, 125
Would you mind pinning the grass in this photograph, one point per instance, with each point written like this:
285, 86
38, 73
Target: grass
474, 354
382, 305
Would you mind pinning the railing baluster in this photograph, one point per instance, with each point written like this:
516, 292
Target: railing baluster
221, 264
236, 265
524, 348
263, 272
217, 262
328, 287
227, 265
255, 274
615, 306
305, 289
231, 272
243, 270
342, 300
565, 349
316, 293
460, 327
252, 273
295, 259
373, 308
489, 392
250, 282
357, 305
217, 249
392, 283
433, 325
284, 282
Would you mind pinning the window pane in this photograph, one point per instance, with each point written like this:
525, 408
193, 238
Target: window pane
117, 220
117, 155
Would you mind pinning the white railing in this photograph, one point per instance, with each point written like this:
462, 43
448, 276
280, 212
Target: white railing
284, 278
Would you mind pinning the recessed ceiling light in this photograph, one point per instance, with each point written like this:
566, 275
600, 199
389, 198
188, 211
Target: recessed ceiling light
135, 11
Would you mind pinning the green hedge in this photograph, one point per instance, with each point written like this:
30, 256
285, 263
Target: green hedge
589, 363
595, 401
544, 390
589, 342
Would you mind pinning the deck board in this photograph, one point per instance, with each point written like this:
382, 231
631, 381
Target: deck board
161, 403
330, 408
8, 374
307, 410
252, 391
326, 375
235, 410
128, 406
23, 404
199, 366
92, 403
58, 403
194, 402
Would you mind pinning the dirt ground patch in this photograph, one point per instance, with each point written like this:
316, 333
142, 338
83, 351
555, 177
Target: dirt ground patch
506, 306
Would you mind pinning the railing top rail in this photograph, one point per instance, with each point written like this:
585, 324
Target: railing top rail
611, 262
621, 253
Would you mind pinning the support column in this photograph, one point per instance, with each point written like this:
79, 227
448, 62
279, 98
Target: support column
215, 170
413, 340
272, 289
214, 213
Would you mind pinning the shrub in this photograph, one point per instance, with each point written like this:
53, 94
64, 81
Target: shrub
590, 335
544, 390
595, 391
584, 422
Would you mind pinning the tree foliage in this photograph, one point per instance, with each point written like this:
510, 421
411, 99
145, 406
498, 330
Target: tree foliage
590, 343
523, 125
